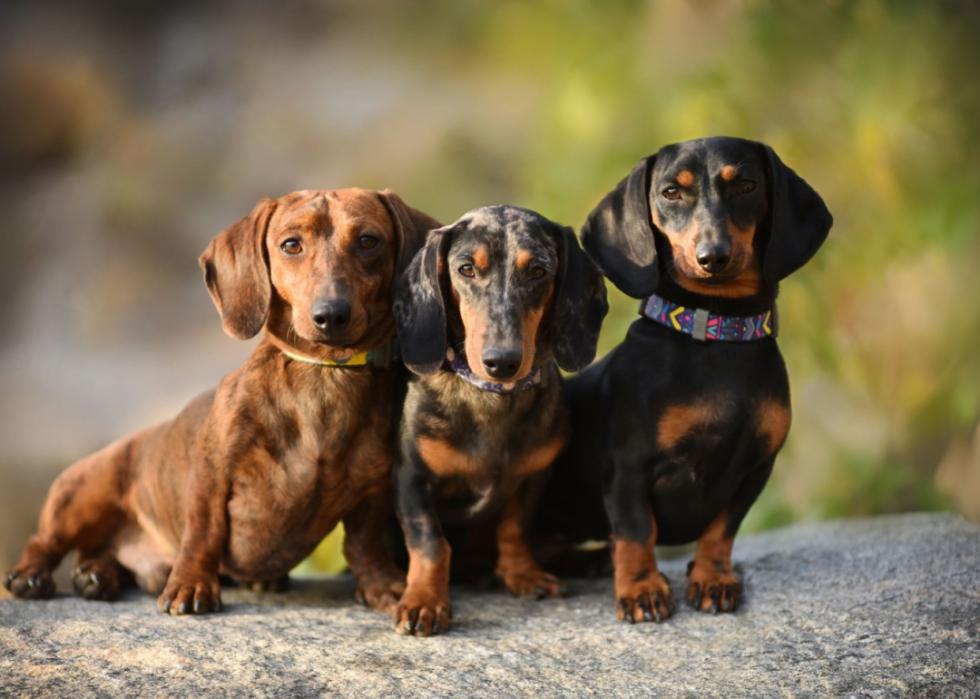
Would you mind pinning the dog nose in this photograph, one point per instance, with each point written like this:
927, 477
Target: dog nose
331, 315
502, 363
713, 257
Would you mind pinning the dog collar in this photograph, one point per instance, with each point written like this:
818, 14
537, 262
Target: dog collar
706, 326
457, 363
380, 357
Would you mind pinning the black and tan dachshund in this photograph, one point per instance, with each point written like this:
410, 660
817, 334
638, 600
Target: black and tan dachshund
679, 425
487, 312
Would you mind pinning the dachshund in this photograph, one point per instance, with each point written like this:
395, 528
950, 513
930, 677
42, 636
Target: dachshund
249, 477
678, 427
487, 312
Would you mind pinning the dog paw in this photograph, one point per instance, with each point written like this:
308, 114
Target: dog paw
647, 598
422, 615
94, 580
30, 584
712, 591
531, 582
180, 597
382, 594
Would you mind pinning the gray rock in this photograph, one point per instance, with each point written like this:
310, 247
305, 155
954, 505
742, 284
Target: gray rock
879, 607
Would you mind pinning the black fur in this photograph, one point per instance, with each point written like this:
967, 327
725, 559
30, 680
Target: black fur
720, 466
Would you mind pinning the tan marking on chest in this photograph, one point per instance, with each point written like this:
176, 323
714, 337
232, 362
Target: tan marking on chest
445, 460
679, 420
539, 458
772, 423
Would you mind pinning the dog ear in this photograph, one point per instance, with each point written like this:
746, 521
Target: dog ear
411, 227
420, 305
579, 304
798, 221
236, 271
618, 234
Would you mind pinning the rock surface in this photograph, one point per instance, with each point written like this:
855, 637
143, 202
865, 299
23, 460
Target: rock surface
879, 607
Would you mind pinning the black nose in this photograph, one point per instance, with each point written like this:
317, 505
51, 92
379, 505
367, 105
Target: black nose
331, 315
713, 257
502, 363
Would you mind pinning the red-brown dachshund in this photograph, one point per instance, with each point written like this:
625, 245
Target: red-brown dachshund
249, 477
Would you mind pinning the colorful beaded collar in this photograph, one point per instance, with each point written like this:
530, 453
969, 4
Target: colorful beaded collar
706, 326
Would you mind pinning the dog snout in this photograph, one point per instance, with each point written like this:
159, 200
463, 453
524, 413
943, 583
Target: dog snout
502, 362
331, 316
713, 256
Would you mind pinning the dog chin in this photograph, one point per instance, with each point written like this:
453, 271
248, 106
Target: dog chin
709, 279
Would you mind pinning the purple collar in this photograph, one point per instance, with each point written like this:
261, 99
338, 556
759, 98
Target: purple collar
457, 362
705, 326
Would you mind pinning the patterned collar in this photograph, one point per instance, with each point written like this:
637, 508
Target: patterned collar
705, 326
380, 357
457, 362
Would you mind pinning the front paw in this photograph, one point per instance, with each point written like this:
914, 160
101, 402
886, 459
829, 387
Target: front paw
531, 582
381, 594
645, 597
30, 583
97, 580
712, 591
185, 596
422, 613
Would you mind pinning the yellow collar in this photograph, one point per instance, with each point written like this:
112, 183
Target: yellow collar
358, 359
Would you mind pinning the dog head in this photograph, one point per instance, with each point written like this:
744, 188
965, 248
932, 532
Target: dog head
721, 216
315, 268
508, 287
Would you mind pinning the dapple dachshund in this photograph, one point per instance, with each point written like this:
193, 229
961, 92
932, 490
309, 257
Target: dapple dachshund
250, 477
488, 311
679, 425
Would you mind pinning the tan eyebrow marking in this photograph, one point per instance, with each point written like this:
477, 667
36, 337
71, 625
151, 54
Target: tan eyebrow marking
481, 257
728, 173
685, 178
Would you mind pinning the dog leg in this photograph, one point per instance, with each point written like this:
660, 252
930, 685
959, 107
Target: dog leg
516, 566
642, 591
380, 584
712, 585
82, 511
424, 607
193, 585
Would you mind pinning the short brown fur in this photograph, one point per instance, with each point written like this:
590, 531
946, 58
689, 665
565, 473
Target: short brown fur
248, 478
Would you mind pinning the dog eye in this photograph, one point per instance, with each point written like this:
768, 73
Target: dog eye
291, 246
746, 186
672, 192
538, 272
368, 242
467, 270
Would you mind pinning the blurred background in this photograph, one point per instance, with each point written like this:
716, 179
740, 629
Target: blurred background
131, 133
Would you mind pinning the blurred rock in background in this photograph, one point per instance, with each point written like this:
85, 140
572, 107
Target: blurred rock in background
130, 134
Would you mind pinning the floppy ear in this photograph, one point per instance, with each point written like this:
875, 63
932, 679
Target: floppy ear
579, 304
420, 305
236, 271
618, 234
411, 226
798, 221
